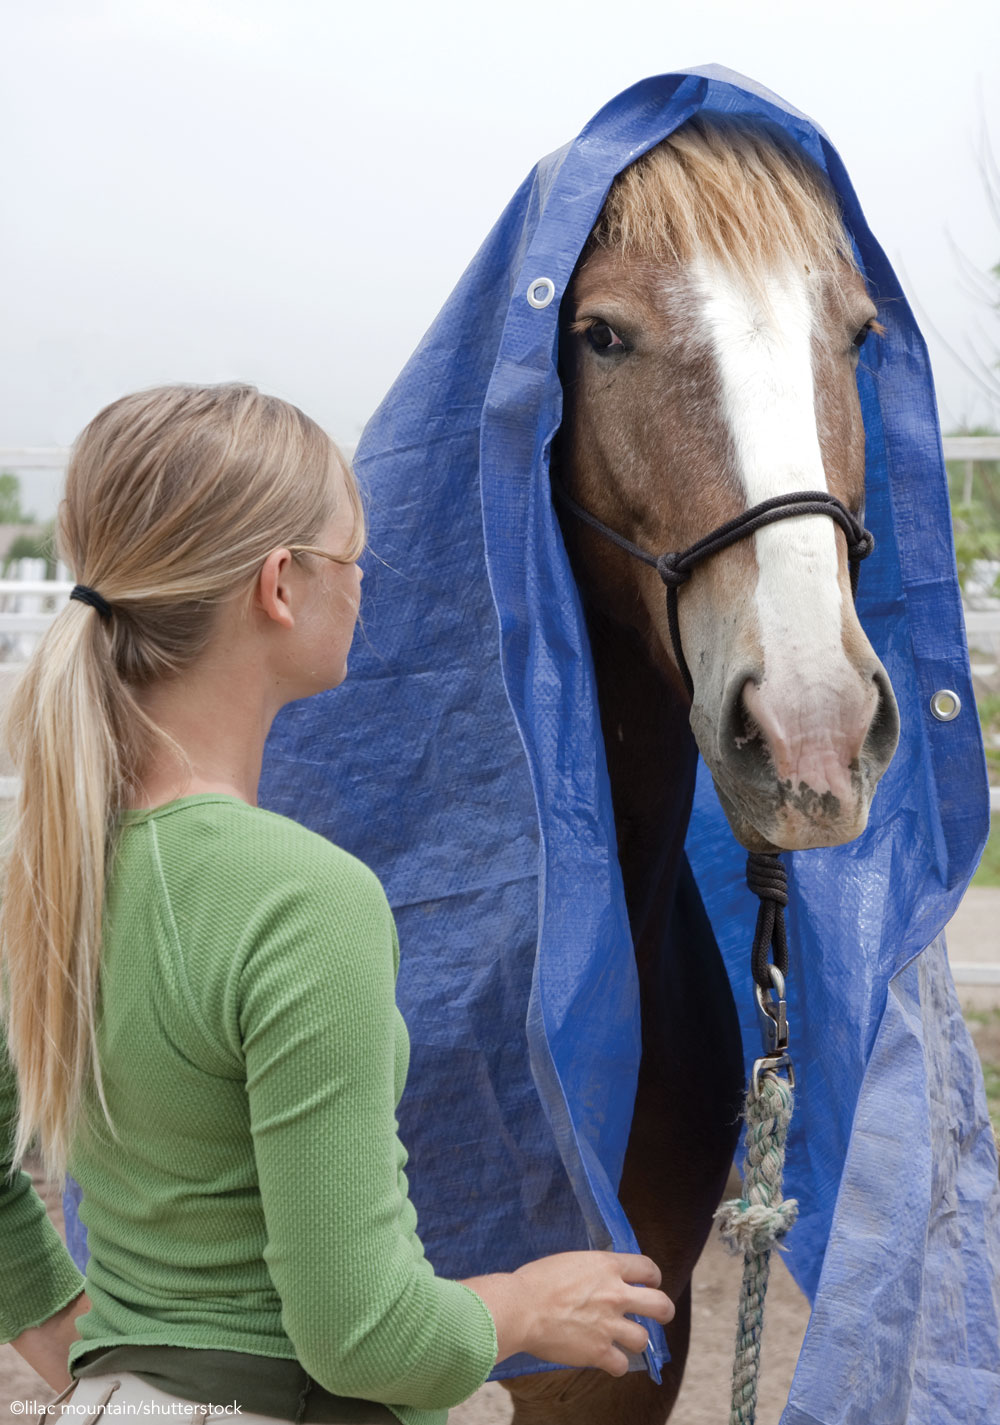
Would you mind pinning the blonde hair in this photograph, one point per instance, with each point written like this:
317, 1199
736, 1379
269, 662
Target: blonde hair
735, 189
174, 498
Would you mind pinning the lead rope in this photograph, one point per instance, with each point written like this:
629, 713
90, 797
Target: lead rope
754, 1223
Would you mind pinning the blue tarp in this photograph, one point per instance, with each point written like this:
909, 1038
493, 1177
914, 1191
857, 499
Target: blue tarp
463, 760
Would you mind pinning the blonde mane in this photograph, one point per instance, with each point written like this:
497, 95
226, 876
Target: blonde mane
735, 190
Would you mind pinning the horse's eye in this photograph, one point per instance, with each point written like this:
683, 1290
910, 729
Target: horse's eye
863, 335
604, 340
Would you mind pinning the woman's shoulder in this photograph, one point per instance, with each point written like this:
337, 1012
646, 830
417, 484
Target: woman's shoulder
247, 897
214, 837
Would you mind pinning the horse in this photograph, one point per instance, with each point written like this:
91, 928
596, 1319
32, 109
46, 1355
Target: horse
708, 346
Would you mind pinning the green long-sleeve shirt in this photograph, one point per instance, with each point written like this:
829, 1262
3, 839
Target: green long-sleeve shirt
253, 1058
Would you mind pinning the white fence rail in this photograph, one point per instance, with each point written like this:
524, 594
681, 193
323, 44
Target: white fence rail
28, 604
971, 447
33, 457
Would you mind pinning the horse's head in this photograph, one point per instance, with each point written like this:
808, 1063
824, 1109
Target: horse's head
711, 336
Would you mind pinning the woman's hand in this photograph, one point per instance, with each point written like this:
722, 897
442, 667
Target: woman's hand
573, 1308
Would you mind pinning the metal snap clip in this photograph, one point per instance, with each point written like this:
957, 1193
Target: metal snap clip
773, 1013
946, 705
541, 291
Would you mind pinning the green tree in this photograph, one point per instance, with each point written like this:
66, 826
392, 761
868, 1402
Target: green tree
34, 544
10, 501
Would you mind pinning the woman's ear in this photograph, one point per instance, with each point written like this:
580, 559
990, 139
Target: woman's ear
273, 594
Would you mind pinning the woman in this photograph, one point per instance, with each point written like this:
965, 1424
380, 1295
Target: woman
199, 994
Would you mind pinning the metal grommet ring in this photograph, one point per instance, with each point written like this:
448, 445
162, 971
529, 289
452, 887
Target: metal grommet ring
946, 705
541, 291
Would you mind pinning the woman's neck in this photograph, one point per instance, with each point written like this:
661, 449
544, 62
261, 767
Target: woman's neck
215, 716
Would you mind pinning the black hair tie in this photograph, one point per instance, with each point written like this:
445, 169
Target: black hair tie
93, 598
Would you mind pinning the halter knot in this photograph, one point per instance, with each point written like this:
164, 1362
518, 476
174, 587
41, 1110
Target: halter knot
672, 576
862, 547
767, 877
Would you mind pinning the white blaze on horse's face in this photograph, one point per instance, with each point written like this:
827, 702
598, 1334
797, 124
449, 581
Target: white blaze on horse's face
812, 688
709, 362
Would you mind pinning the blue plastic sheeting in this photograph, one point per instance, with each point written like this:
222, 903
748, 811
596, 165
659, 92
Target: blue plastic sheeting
463, 760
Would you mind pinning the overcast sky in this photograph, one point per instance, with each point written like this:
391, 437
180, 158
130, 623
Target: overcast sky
286, 190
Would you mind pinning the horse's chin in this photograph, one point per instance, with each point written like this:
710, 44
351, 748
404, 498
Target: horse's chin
787, 821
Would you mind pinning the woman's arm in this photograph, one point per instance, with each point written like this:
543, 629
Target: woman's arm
41, 1287
46, 1347
324, 1048
322, 1042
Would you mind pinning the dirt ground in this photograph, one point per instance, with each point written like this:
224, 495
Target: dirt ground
704, 1397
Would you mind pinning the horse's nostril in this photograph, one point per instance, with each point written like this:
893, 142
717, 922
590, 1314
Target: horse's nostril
744, 730
744, 745
883, 730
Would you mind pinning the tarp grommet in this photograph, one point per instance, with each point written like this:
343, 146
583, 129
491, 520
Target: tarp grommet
946, 705
541, 291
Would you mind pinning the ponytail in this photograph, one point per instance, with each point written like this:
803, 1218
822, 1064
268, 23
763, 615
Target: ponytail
75, 733
174, 499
